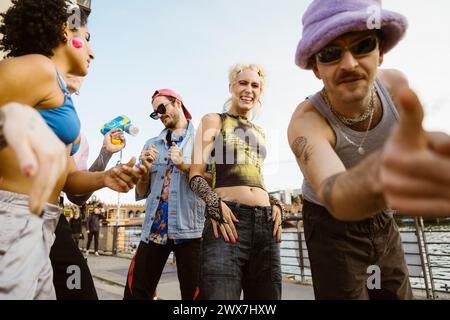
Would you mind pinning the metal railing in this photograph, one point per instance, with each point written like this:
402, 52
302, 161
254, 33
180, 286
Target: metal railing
428, 261
122, 239
427, 252
126, 238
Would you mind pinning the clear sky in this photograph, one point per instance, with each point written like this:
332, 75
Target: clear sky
143, 45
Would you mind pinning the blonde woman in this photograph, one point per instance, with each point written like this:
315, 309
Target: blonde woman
237, 203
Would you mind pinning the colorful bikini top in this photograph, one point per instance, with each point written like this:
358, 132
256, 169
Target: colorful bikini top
63, 120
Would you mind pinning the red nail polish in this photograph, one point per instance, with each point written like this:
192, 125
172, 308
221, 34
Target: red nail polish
233, 241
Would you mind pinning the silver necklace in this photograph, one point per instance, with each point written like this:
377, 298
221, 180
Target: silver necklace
361, 150
371, 109
350, 121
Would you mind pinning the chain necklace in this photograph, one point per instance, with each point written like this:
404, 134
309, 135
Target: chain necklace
371, 110
361, 150
351, 121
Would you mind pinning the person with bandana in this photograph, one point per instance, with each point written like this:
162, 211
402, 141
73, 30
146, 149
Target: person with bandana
174, 215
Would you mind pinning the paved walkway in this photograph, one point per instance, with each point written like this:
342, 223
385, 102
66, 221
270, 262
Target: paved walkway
110, 277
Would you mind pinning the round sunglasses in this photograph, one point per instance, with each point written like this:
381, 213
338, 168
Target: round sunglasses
162, 109
359, 48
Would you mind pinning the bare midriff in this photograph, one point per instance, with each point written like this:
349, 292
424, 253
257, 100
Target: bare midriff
251, 196
12, 179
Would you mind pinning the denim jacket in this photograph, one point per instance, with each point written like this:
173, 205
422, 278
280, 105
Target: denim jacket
186, 210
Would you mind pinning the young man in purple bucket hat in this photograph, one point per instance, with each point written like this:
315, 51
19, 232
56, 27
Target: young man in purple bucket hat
337, 136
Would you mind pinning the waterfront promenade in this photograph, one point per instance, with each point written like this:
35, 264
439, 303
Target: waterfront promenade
109, 273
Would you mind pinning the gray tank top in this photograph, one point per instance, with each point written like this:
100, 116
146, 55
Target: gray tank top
347, 152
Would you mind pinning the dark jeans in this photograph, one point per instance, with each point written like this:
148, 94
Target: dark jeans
252, 265
148, 264
90, 235
65, 253
340, 254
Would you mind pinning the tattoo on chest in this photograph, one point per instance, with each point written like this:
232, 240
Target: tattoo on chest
302, 149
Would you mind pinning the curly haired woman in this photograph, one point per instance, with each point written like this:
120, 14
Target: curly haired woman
44, 40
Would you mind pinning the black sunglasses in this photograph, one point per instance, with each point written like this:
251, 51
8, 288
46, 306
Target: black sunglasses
160, 110
360, 48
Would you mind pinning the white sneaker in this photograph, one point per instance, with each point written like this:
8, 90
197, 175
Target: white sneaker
96, 253
87, 253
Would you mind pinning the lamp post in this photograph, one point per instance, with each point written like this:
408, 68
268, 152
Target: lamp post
116, 226
118, 196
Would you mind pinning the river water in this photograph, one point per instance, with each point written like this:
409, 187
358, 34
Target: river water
438, 246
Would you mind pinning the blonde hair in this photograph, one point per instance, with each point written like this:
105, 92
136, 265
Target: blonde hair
234, 72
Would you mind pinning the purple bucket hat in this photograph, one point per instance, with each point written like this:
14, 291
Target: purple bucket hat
325, 20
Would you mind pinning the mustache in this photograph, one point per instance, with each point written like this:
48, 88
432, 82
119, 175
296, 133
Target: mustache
345, 75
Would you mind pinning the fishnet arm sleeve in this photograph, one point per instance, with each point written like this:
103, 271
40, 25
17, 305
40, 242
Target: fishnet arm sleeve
212, 200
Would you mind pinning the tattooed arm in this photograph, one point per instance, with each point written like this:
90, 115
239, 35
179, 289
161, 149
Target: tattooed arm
102, 160
108, 149
355, 194
99, 165
349, 195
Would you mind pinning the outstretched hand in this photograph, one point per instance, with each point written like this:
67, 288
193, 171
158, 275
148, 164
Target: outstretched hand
415, 170
123, 178
439, 142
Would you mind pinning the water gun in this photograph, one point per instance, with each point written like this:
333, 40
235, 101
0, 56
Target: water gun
123, 123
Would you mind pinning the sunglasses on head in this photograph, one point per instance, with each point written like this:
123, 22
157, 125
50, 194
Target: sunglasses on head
160, 110
359, 48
